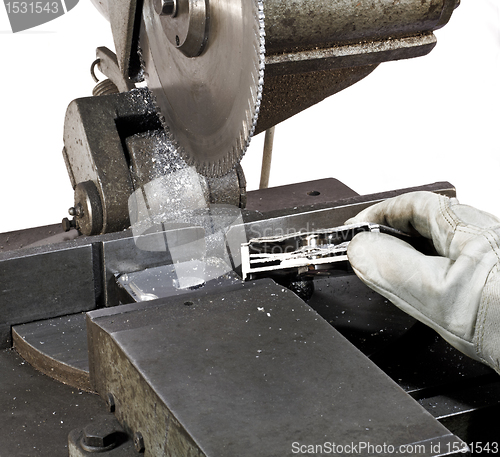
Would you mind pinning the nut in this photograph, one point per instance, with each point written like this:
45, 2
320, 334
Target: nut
99, 436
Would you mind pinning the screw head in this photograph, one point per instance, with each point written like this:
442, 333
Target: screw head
139, 442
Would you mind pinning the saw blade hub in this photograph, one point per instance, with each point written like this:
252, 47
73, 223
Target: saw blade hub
185, 24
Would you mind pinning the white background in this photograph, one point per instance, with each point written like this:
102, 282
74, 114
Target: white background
409, 123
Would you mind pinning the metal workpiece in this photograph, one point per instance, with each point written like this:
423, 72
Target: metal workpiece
215, 317
305, 255
265, 372
80, 275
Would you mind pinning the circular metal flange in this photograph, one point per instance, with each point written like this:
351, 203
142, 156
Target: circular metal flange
209, 103
185, 24
88, 208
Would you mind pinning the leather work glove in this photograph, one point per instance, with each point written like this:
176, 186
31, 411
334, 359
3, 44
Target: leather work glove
457, 292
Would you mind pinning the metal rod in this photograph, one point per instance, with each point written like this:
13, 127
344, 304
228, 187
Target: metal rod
266, 158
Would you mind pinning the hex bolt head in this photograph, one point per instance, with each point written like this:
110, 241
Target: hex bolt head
139, 442
99, 436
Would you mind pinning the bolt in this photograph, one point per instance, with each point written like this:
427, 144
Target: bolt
110, 402
165, 7
139, 442
99, 436
68, 224
76, 210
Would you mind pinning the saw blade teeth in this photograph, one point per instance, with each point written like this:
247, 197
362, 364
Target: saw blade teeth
217, 164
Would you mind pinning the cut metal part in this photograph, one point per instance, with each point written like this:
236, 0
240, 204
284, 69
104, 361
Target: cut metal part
304, 255
205, 70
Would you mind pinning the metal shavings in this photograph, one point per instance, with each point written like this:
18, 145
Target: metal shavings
221, 159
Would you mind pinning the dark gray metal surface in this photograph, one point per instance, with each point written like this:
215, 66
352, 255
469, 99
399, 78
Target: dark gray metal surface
37, 413
471, 411
285, 95
40, 283
245, 371
299, 194
19, 239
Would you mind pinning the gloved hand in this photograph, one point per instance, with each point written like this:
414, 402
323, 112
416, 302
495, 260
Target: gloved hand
457, 293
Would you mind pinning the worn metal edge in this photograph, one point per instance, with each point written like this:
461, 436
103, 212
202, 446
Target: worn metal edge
60, 371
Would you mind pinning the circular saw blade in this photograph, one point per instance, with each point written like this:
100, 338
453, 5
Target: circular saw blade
208, 104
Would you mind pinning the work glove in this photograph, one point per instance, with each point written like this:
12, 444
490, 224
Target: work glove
457, 291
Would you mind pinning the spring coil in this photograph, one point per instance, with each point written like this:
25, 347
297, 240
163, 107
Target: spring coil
105, 87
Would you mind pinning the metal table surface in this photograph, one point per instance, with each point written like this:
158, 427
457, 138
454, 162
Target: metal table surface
37, 413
